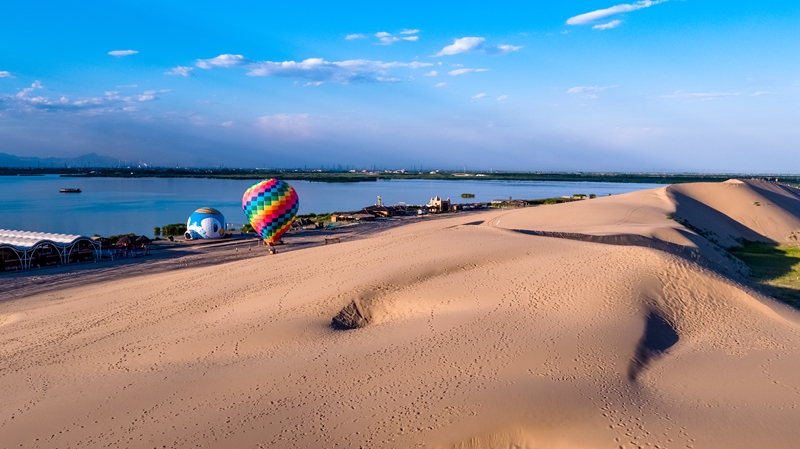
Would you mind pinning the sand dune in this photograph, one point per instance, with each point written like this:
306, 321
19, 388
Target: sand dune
480, 334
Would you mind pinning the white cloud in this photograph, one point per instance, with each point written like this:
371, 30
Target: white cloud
388, 39
24, 92
502, 49
589, 89
414, 31
700, 95
463, 45
5, 74
26, 100
180, 71
589, 17
432, 73
758, 94
502, 97
147, 96
122, 52
465, 71
607, 26
439, 85
350, 37
473, 45
479, 96
316, 70
228, 124
226, 60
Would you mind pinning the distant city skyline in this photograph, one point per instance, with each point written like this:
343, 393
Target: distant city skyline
652, 85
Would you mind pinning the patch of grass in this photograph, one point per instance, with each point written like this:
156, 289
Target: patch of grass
775, 267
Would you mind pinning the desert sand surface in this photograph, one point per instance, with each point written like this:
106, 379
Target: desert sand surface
592, 324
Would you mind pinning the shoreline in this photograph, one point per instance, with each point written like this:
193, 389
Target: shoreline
334, 176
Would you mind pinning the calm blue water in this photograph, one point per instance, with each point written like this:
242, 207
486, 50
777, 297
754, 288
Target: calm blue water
116, 205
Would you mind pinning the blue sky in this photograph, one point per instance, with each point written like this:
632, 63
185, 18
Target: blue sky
585, 85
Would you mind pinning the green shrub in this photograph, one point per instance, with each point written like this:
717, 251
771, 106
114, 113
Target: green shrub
173, 229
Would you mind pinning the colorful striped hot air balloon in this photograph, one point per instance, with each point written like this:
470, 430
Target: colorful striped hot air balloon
270, 206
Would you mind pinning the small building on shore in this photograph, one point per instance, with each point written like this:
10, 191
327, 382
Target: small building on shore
437, 205
351, 218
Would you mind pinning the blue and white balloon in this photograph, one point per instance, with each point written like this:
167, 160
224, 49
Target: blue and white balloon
205, 223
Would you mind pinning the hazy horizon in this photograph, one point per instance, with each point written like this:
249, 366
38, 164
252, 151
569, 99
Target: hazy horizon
647, 86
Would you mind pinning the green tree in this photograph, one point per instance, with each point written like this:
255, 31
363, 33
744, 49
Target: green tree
173, 229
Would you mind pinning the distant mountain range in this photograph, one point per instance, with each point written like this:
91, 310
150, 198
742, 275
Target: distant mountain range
87, 160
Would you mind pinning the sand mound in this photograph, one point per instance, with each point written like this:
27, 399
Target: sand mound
729, 212
476, 336
696, 221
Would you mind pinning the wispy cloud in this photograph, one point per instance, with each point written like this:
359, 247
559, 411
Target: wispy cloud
440, 85
457, 72
502, 97
589, 89
593, 16
315, 70
123, 52
180, 71
701, 95
5, 74
27, 100
607, 26
388, 39
479, 96
758, 94
475, 45
225, 60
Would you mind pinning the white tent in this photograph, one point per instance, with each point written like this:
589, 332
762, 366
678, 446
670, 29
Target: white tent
25, 243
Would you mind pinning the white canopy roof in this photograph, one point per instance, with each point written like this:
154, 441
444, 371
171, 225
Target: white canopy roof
27, 239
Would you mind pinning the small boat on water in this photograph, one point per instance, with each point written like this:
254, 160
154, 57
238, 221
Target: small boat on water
70, 191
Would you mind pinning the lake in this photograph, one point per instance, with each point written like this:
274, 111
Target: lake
120, 205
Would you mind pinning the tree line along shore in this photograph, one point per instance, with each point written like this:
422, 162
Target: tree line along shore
375, 175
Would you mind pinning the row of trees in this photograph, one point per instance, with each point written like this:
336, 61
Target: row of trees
169, 230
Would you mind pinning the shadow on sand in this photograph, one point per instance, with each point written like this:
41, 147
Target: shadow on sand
658, 337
